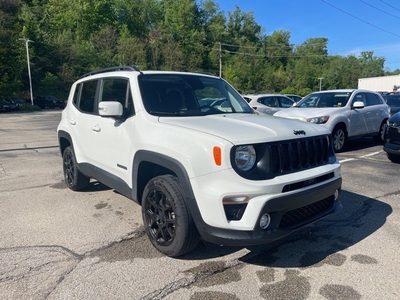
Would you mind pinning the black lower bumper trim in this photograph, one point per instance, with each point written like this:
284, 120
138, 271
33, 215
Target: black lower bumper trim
277, 208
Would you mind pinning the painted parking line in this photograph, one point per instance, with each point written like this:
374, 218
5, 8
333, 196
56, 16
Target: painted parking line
363, 156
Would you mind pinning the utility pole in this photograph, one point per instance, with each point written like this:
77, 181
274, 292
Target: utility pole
29, 67
320, 82
220, 61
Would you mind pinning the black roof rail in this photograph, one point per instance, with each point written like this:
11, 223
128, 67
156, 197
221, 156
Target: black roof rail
118, 68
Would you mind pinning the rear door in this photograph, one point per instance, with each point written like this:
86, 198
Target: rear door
358, 123
376, 112
82, 120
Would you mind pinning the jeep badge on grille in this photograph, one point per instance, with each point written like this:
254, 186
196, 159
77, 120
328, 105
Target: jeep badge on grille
297, 132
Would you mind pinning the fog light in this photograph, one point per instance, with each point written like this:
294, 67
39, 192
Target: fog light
336, 194
265, 221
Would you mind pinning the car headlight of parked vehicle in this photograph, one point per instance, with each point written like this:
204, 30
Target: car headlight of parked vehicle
392, 124
318, 120
245, 157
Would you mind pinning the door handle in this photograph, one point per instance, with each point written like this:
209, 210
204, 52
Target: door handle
72, 122
96, 128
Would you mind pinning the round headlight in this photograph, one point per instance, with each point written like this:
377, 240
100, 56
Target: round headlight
245, 157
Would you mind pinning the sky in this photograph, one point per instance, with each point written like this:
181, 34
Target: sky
351, 26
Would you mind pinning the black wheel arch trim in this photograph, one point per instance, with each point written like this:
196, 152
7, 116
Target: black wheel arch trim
64, 135
177, 169
166, 162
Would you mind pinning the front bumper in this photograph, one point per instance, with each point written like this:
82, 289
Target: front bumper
391, 148
391, 143
288, 214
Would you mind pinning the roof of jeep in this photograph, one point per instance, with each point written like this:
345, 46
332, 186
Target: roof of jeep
124, 69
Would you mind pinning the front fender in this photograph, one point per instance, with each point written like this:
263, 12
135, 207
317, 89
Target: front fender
158, 164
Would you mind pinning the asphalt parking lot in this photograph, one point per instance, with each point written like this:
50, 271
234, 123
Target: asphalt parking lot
60, 244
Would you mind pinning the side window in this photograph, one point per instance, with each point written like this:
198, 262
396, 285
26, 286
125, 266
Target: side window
285, 102
88, 96
372, 99
117, 89
269, 101
76, 94
360, 97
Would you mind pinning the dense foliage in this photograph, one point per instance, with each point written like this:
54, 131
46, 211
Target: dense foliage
73, 37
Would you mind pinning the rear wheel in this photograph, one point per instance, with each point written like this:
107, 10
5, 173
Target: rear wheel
74, 179
166, 218
339, 138
379, 138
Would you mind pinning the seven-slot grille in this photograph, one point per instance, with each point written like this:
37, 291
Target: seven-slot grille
294, 155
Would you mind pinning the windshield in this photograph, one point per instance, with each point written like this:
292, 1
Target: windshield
189, 95
330, 99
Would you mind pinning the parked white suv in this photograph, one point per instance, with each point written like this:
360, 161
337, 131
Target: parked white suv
221, 173
346, 113
268, 103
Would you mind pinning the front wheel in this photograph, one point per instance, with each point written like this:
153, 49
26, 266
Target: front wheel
393, 158
339, 138
74, 179
167, 221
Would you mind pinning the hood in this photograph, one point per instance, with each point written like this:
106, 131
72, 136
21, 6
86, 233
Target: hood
247, 128
303, 113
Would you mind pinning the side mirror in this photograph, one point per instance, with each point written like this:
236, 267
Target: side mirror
110, 109
358, 105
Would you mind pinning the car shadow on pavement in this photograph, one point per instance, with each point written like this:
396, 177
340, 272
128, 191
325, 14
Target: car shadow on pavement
96, 186
359, 144
315, 244
321, 242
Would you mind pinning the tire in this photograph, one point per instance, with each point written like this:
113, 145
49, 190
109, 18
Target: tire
166, 219
393, 158
74, 179
339, 138
379, 138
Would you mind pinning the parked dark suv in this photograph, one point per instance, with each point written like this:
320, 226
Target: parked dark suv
48, 101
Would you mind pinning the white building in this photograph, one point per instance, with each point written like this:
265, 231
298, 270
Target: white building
380, 84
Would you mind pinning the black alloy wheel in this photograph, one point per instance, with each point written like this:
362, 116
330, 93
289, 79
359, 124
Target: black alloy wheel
74, 179
166, 219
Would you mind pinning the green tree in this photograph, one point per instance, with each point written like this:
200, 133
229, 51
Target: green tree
10, 48
183, 32
278, 49
131, 50
371, 65
242, 26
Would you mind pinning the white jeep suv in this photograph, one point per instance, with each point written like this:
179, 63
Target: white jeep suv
347, 113
211, 170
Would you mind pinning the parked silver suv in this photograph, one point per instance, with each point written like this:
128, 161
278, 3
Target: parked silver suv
346, 113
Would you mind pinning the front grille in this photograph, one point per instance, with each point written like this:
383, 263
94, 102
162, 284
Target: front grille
297, 216
291, 156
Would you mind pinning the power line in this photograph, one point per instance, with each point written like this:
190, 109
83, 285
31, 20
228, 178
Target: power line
289, 55
253, 54
394, 7
379, 9
360, 19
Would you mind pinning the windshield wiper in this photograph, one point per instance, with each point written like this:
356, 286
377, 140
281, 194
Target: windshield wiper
165, 113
